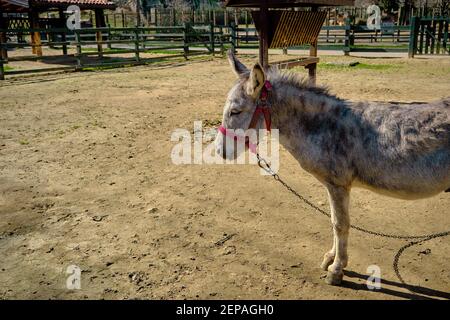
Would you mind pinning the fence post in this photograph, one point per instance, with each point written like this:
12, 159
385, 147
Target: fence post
3, 46
413, 33
35, 36
38, 42
246, 26
427, 36
109, 37
63, 34
433, 36
186, 40
64, 39
136, 44
444, 41
233, 37
2, 70
78, 44
439, 36
3, 53
99, 24
222, 48
98, 38
347, 37
211, 38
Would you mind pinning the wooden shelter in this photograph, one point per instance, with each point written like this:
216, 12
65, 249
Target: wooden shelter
279, 27
37, 6
34, 7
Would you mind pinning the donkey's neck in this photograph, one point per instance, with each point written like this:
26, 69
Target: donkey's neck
297, 108
313, 126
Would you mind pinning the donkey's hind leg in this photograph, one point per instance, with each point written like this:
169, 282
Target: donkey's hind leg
339, 201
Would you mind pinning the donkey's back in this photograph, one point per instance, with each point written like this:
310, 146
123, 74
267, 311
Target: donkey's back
405, 148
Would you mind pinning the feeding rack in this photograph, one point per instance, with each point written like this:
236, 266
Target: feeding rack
280, 25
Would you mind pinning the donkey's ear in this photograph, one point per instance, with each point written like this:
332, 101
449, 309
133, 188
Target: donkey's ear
238, 67
256, 81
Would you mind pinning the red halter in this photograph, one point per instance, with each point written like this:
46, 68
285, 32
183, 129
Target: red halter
261, 108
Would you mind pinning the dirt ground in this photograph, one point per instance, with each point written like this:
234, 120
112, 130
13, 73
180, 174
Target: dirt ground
52, 58
86, 179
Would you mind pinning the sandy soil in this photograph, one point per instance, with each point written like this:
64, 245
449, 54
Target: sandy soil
52, 58
86, 179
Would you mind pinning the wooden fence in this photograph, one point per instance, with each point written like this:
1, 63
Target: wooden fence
349, 38
429, 35
135, 43
167, 42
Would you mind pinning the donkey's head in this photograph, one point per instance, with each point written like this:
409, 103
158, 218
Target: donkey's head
240, 105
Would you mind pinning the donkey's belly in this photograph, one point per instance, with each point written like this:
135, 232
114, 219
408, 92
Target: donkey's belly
413, 182
406, 193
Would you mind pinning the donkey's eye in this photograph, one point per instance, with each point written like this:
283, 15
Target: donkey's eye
235, 112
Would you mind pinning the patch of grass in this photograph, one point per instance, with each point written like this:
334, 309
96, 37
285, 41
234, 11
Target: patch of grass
105, 50
24, 142
375, 66
359, 66
7, 68
162, 51
107, 67
89, 50
381, 46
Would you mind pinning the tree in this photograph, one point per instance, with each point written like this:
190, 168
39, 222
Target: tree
444, 6
193, 4
388, 5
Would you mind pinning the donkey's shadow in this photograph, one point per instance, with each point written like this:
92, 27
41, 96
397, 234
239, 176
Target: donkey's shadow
416, 292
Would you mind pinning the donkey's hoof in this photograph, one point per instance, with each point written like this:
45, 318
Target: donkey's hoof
334, 279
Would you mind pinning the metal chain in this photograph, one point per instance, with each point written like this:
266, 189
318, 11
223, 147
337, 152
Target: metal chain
263, 164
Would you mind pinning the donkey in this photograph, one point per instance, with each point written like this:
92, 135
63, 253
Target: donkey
396, 149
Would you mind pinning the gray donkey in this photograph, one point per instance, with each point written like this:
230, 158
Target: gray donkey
400, 150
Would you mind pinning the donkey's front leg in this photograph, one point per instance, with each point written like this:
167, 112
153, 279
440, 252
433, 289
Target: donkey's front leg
339, 200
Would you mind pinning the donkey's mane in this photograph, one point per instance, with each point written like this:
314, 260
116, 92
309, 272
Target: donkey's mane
290, 78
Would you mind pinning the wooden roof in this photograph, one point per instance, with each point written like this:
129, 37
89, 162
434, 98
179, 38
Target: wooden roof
287, 3
83, 4
14, 6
